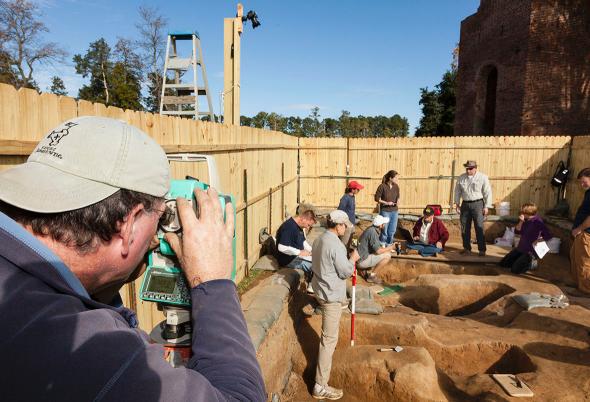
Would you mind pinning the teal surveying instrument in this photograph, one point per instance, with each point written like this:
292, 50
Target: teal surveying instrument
164, 282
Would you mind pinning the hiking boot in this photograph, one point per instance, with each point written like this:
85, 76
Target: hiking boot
482, 254
465, 252
374, 279
326, 392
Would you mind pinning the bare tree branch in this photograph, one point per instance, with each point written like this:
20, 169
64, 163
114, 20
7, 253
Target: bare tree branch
21, 42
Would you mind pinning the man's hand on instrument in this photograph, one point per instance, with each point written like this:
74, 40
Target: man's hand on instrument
205, 250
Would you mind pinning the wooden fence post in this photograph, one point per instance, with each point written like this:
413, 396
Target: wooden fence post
282, 191
270, 210
452, 189
246, 258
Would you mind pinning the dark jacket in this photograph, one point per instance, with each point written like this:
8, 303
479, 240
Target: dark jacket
57, 344
348, 205
530, 232
386, 193
438, 232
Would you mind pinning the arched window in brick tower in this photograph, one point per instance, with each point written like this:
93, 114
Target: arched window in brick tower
485, 104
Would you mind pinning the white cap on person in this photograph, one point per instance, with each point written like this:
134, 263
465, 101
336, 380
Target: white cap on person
338, 216
83, 161
380, 220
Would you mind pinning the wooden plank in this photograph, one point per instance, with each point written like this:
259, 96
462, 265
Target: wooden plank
17, 147
179, 100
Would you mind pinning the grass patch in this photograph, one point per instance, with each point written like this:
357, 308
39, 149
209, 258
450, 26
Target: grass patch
248, 280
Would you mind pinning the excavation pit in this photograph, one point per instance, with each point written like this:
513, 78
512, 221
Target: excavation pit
457, 325
451, 296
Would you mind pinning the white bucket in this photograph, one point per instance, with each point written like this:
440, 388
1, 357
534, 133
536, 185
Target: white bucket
554, 244
503, 208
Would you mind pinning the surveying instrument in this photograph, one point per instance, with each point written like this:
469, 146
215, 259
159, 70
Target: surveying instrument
164, 282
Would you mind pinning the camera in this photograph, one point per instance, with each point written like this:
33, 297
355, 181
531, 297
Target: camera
164, 281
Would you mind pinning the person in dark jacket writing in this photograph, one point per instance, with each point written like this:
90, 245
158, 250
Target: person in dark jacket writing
75, 225
531, 228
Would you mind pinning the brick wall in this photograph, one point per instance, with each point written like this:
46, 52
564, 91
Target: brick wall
557, 82
541, 50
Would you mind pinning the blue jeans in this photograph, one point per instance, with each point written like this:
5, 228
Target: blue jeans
300, 263
425, 250
389, 231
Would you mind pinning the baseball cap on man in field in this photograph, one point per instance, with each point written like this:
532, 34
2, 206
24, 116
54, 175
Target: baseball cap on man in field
83, 161
338, 216
379, 220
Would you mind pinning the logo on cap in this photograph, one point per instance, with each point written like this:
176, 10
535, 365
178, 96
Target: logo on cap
56, 135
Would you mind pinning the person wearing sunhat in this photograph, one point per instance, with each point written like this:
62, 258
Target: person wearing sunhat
331, 267
430, 234
373, 254
76, 221
348, 205
474, 190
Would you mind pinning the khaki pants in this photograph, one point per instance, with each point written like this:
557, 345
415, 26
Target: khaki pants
580, 261
347, 237
331, 313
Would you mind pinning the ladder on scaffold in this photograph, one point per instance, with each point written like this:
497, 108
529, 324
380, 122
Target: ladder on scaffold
180, 97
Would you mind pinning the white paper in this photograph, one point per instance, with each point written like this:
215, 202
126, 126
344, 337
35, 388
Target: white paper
541, 249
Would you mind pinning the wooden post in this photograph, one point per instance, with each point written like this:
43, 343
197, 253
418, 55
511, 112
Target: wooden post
282, 191
132, 294
452, 189
247, 266
298, 171
270, 210
232, 29
347, 160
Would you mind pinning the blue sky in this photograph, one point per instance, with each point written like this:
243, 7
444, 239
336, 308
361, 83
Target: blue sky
368, 57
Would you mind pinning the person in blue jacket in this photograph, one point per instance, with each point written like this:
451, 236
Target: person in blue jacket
348, 205
76, 221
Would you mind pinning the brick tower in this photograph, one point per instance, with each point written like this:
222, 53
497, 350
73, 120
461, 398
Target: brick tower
524, 69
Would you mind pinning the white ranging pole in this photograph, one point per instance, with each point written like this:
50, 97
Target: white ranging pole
353, 306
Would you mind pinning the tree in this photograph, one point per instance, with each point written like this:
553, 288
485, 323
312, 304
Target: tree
151, 28
126, 76
431, 113
345, 124
315, 126
57, 86
21, 45
438, 106
260, 120
115, 76
97, 64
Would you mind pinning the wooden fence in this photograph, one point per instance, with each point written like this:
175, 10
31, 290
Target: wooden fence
269, 172
519, 168
258, 167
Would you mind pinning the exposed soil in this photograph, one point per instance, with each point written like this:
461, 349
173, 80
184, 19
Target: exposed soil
457, 324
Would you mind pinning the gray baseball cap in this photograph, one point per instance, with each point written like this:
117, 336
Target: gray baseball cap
83, 161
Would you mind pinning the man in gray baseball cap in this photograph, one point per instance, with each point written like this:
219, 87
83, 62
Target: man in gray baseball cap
330, 268
76, 221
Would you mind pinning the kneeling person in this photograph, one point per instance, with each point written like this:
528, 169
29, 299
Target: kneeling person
431, 234
372, 255
331, 268
293, 250
530, 227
